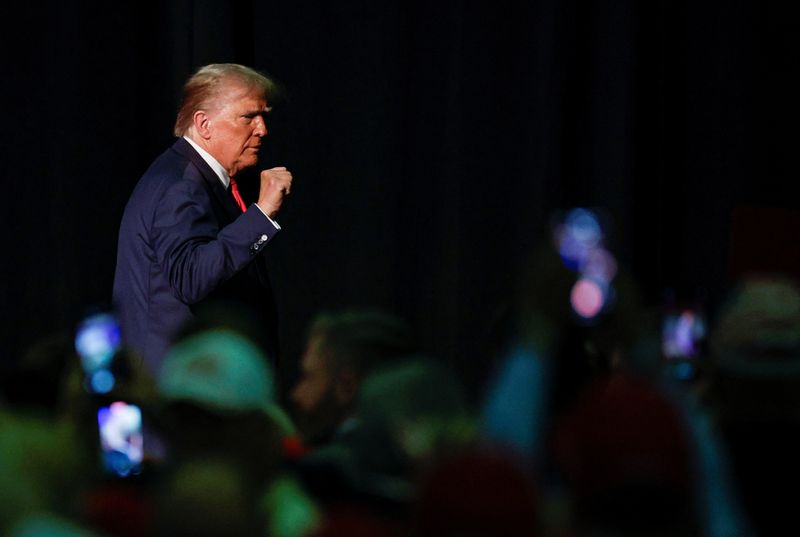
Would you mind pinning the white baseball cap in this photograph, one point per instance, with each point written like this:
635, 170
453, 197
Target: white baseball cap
219, 369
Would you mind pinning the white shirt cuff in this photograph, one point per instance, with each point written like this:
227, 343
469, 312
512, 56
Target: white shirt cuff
274, 223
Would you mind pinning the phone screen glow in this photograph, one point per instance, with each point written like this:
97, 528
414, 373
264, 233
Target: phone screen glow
121, 439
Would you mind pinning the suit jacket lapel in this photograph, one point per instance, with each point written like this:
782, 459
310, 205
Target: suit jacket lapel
214, 184
224, 197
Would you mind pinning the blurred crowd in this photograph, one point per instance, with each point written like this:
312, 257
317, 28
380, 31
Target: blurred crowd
600, 415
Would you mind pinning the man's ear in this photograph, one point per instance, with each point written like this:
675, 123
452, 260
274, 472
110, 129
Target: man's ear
346, 387
202, 124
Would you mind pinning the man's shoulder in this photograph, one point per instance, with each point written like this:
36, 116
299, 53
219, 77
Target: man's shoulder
173, 168
171, 178
174, 162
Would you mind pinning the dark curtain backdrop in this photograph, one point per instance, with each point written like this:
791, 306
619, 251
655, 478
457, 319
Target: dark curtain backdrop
429, 143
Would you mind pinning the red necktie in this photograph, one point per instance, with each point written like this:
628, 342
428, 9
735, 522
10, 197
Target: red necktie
237, 196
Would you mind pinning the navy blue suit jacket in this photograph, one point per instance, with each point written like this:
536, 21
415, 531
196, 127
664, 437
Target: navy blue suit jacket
183, 243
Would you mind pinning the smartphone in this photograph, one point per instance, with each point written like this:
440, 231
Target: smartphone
97, 341
683, 338
121, 438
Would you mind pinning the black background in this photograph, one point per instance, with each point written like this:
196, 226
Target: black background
429, 143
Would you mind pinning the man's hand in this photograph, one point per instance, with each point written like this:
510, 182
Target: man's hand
275, 184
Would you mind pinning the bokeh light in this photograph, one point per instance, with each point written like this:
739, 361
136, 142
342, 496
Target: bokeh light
587, 298
585, 226
96, 341
102, 381
578, 236
580, 241
600, 265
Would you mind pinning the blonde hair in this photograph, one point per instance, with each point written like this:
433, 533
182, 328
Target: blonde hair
203, 88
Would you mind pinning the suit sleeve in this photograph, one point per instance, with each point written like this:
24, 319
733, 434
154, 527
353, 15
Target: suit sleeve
193, 249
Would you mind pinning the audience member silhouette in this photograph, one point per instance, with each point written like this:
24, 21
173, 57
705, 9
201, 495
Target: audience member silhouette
625, 452
580, 433
753, 392
409, 417
341, 350
219, 412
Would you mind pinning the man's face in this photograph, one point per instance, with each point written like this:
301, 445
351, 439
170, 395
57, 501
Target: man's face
317, 409
236, 126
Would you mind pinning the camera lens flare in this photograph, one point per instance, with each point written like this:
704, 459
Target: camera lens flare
587, 298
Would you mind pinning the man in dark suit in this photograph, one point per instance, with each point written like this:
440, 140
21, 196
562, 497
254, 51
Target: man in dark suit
187, 240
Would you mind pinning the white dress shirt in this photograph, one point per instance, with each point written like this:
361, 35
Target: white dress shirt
222, 173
